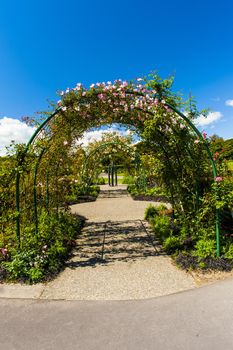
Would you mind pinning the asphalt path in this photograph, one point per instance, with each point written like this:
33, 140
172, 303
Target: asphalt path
196, 319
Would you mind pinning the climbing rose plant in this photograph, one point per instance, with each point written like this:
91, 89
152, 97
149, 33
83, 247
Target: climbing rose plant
178, 158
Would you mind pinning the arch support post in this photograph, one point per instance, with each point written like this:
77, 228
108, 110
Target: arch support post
116, 175
218, 233
35, 190
112, 175
20, 162
17, 204
109, 181
35, 201
47, 190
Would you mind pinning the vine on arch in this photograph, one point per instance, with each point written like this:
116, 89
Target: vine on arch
180, 155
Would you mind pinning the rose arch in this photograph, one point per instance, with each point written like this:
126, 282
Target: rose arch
145, 105
103, 151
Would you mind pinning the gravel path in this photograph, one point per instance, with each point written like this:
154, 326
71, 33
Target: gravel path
113, 204
117, 256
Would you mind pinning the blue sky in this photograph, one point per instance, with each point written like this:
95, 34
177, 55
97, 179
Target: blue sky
50, 45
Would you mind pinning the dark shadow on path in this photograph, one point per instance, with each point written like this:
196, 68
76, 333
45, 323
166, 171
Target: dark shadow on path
109, 242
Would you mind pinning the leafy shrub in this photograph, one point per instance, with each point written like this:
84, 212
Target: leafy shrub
70, 199
172, 244
161, 208
82, 190
99, 181
43, 254
205, 248
145, 191
132, 189
88, 190
196, 248
161, 226
155, 191
151, 212
128, 180
229, 253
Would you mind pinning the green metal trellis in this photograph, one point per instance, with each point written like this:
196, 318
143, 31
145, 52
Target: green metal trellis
35, 189
112, 175
97, 149
186, 119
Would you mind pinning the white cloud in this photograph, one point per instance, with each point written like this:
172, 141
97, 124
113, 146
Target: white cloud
211, 118
229, 103
13, 130
96, 135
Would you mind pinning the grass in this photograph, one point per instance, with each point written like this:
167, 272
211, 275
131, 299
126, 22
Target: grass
119, 181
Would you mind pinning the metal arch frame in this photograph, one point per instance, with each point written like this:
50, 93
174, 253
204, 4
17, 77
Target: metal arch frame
35, 188
176, 150
21, 158
179, 113
40, 156
174, 131
198, 133
96, 150
214, 170
20, 162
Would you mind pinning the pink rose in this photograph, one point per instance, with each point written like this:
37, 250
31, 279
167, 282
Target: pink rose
218, 179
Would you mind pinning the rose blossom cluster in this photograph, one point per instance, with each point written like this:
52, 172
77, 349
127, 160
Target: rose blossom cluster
119, 95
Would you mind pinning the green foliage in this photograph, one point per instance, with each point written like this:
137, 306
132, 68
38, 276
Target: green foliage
152, 211
42, 255
79, 191
128, 180
99, 181
111, 149
228, 149
156, 191
172, 244
205, 248
230, 165
162, 226
197, 240
161, 208
229, 253
173, 163
132, 189
223, 147
7, 197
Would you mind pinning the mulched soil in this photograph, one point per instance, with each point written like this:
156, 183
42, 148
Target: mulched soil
188, 262
3, 274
